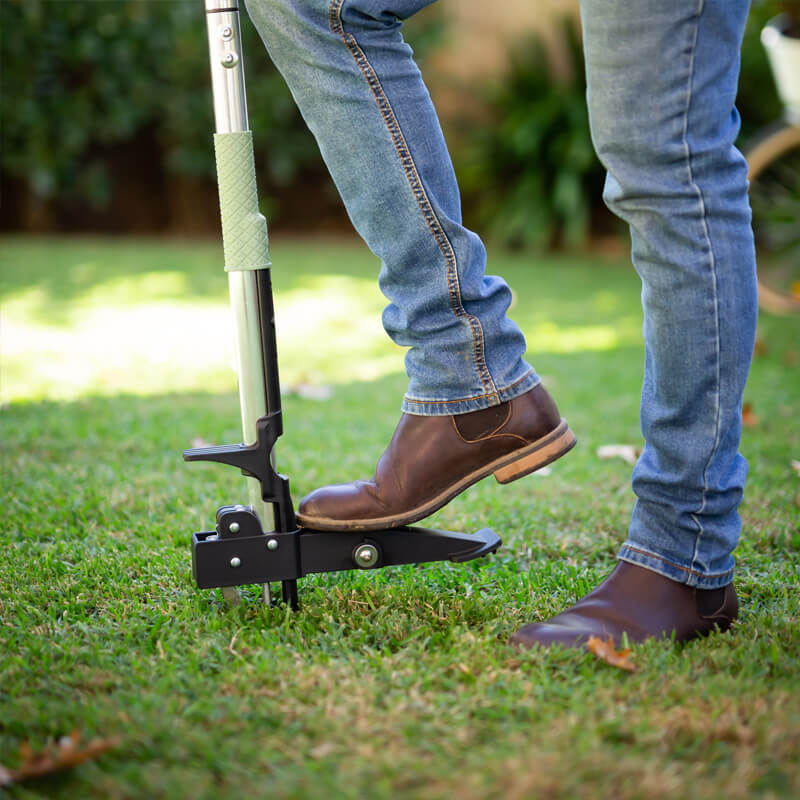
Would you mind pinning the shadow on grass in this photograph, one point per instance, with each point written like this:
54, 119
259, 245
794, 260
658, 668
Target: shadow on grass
65, 268
562, 289
108, 316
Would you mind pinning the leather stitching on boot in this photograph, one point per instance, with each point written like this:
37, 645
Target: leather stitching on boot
483, 436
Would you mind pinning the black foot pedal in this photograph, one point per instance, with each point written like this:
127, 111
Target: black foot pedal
240, 552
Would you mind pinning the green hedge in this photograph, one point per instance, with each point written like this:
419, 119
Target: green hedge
79, 77
757, 100
531, 177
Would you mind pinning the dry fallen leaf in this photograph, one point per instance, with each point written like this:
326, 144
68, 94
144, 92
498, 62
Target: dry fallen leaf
604, 649
779, 302
309, 391
627, 452
67, 752
749, 419
322, 750
796, 466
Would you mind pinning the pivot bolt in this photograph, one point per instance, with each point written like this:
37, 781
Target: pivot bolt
226, 32
234, 527
230, 60
236, 561
366, 555
272, 544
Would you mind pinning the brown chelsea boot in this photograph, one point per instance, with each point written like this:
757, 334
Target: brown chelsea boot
640, 603
430, 460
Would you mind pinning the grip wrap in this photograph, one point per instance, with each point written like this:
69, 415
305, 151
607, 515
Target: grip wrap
244, 229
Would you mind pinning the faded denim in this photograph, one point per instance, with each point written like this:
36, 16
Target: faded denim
662, 78
361, 94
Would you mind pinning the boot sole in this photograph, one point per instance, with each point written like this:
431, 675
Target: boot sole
506, 469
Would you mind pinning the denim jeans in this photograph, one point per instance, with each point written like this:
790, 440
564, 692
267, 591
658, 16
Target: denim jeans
361, 94
662, 78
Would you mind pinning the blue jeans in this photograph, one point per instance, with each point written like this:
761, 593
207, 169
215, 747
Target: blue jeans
662, 78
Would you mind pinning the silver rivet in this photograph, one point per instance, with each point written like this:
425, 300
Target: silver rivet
272, 544
236, 561
234, 527
366, 555
227, 32
230, 60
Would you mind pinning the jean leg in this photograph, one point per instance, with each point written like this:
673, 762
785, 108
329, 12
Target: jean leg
362, 95
662, 78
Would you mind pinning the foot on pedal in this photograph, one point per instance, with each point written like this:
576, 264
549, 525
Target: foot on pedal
431, 460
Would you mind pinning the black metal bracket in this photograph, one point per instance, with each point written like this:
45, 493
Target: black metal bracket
255, 460
240, 552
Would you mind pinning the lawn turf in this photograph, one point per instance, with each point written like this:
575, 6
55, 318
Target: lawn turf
394, 683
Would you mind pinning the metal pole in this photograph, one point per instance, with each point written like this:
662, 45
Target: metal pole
230, 114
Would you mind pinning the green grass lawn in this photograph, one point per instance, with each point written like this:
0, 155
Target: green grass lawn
114, 356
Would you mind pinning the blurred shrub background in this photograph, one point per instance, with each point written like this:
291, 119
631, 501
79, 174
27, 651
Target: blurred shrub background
107, 122
107, 117
529, 173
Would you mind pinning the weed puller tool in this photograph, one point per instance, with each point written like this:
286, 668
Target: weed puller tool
240, 551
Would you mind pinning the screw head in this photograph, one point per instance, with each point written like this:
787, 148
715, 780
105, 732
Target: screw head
236, 561
227, 32
230, 60
366, 555
234, 527
272, 544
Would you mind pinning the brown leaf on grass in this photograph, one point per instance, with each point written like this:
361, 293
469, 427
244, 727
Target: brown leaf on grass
796, 466
309, 391
604, 650
627, 452
749, 419
322, 750
66, 753
779, 302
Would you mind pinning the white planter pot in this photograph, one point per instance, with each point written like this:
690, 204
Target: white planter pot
784, 57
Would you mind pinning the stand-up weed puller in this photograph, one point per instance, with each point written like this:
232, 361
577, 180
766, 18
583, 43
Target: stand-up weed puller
240, 551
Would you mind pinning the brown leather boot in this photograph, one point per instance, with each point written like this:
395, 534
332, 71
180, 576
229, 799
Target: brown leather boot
641, 603
432, 459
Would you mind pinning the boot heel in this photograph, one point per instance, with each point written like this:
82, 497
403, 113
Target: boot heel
540, 457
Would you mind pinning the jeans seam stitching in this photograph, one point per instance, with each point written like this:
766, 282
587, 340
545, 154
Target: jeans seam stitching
712, 266
418, 190
411, 399
673, 564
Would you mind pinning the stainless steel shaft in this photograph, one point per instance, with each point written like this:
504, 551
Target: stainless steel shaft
230, 114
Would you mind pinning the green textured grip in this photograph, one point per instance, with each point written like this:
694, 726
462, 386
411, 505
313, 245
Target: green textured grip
244, 229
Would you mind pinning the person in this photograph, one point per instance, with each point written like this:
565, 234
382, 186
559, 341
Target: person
662, 78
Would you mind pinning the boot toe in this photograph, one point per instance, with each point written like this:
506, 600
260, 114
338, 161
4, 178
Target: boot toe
543, 634
338, 503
